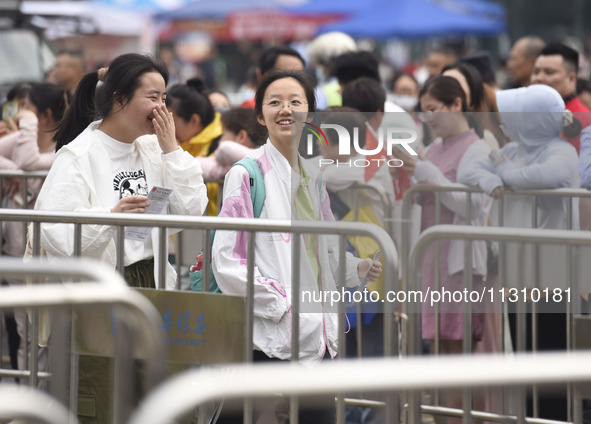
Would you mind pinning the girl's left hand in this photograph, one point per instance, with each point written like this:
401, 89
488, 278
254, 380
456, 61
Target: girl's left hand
164, 127
374, 273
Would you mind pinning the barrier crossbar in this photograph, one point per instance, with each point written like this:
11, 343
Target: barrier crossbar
107, 288
196, 387
385, 203
570, 239
536, 269
409, 196
163, 222
29, 403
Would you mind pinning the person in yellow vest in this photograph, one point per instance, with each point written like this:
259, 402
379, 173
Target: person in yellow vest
198, 126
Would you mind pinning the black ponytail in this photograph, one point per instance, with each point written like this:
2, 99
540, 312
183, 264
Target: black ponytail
80, 113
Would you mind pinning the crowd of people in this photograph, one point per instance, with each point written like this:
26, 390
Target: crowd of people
109, 136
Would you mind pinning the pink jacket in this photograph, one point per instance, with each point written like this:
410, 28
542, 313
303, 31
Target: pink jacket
19, 150
215, 167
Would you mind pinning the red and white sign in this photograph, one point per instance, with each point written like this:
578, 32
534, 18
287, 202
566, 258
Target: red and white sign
265, 25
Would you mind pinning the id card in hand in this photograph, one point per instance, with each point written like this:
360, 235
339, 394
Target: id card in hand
158, 198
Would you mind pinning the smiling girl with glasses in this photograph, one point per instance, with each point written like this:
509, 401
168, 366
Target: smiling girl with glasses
292, 192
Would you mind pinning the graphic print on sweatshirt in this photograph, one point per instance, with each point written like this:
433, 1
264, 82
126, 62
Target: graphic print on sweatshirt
130, 183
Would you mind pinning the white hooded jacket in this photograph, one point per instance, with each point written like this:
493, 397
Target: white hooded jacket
537, 157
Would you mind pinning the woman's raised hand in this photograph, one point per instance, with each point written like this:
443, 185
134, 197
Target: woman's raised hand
164, 127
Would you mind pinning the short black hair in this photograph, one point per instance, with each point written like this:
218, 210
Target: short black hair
444, 89
482, 61
348, 118
238, 119
569, 55
19, 91
303, 79
444, 50
352, 65
364, 94
269, 57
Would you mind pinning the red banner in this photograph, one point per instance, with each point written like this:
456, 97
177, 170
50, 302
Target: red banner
265, 25
253, 26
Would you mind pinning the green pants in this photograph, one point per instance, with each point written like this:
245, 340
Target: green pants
96, 373
141, 274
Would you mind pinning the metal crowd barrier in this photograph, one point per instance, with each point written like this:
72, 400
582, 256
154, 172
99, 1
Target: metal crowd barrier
506, 266
28, 403
409, 196
193, 388
388, 224
503, 279
570, 239
189, 243
162, 222
385, 203
110, 289
24, 175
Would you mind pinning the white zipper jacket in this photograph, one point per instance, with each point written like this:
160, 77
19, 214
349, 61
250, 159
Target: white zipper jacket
273, 260
80, 180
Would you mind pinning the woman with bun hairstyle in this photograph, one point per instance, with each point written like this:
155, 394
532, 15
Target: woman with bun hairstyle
108, 165
198, 126
480, 99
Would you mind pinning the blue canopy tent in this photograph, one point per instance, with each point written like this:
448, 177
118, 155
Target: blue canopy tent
198, 9
423, 18
332, 7
482, 8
